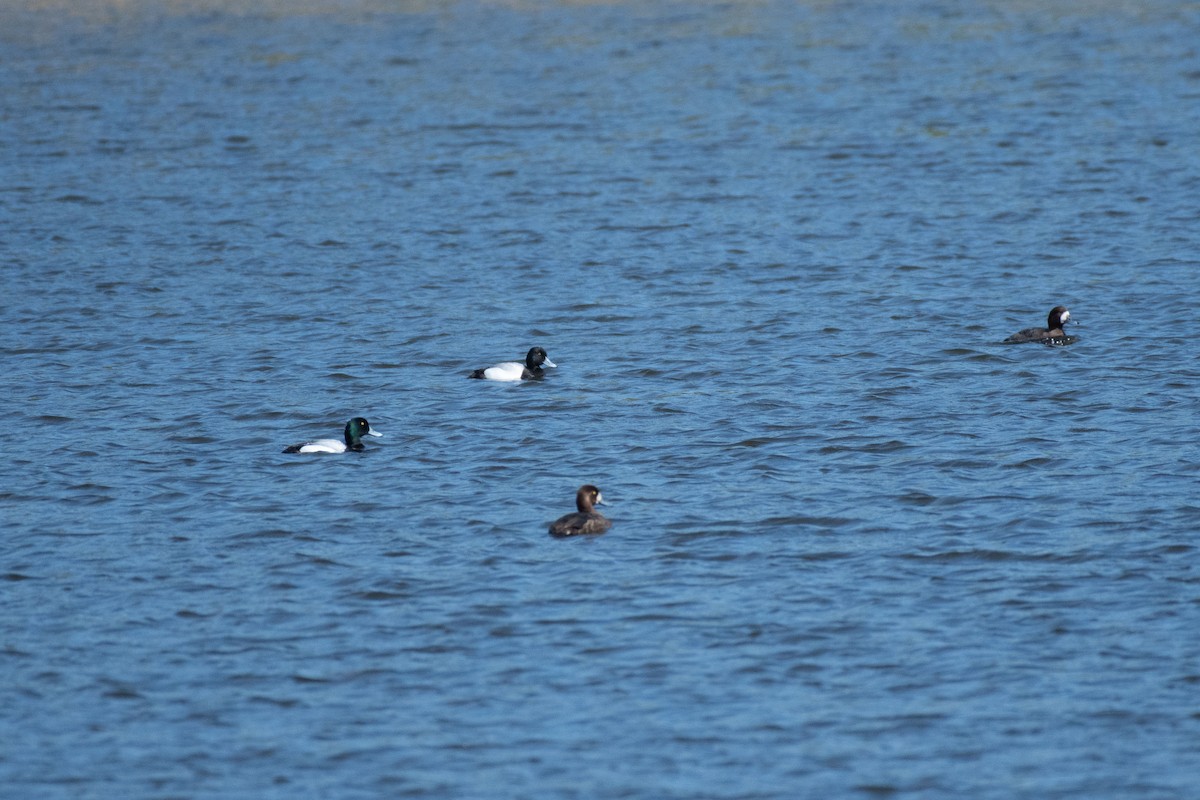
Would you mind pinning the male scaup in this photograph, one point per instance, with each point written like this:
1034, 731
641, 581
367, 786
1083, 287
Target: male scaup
1051, 334
587, 519
515, 370
355, 430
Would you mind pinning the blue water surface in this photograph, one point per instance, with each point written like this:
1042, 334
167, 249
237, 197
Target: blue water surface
861, 548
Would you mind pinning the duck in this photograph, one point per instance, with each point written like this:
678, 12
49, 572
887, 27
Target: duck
355, 430
585, 521
515, 370
1051, 334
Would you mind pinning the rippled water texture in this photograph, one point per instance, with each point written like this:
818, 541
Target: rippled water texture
861, 548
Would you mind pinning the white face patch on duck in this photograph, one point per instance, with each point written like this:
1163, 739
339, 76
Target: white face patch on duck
1066, 316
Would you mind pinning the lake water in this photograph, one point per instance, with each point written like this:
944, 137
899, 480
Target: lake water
860, 548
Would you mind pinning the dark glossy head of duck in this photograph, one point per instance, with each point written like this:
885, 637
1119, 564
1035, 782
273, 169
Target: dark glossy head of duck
536, 357
1059, 316
356, 429
587, 498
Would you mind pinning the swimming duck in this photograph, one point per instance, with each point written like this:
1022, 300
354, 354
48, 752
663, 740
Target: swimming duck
515, 370
1051, 334
587, 519
355, 430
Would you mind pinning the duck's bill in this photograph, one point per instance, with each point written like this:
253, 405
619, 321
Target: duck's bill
374, 432
549, 363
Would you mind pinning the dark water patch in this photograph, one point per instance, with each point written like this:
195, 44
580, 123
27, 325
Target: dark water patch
917, 498
380, 595
269, 534
952, 556
805, 521
892, 446
78, 199
189, 614
310, 679
117, 690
